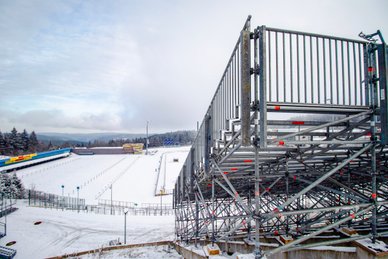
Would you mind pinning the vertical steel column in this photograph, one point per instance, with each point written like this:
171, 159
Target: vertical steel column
213, 211
263, 86
372, 82
208, 140
196, 220
192, 169
257, 251
366, 58
245, 87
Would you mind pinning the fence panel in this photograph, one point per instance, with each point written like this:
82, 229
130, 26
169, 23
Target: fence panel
308, 68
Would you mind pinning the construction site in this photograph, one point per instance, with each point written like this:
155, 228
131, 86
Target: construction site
290, 160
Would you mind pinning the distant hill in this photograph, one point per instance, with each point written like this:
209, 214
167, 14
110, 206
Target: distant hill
82, 138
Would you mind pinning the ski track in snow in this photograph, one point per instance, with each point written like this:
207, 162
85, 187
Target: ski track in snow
116, 178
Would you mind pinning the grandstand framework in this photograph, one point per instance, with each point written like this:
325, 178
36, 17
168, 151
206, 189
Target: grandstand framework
293, 143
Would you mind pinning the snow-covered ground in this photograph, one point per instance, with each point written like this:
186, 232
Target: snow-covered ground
133, 179
139, 253
64, 232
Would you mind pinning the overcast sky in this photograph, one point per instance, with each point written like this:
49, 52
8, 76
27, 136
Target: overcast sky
110, 66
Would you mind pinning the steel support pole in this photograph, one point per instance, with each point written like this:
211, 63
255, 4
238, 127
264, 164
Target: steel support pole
245, 88
257, 251
213, 212
263, 86
372, 82
196, 220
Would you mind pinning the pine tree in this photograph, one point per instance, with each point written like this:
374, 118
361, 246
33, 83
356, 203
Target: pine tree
34, 144
5, 186
25, 140
2, 184
16, 187
19, 143
3, 144
12, 140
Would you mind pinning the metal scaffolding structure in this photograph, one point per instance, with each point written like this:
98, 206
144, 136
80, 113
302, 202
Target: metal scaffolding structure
293, 142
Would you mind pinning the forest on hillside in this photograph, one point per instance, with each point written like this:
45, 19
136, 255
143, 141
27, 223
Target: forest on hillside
166, 139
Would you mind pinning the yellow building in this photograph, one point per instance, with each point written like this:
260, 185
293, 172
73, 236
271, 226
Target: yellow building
135, 148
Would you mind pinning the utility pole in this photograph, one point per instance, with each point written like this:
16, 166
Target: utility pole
78, 199
161, 202
125, 225
63, 196
147, 138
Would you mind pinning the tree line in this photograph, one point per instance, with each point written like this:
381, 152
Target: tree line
17, 143
157, 140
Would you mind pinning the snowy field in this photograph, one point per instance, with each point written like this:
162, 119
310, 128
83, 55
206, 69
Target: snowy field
134, 178
68, 232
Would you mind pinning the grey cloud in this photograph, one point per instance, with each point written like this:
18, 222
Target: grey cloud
140, 60
56, 119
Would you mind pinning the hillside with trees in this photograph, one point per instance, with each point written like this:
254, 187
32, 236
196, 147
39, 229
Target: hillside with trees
156, 140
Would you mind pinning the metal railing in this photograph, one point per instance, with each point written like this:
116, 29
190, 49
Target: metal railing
225, 107
314, 69
108, 207
49, 200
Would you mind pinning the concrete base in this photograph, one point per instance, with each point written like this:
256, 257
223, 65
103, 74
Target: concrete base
211, 249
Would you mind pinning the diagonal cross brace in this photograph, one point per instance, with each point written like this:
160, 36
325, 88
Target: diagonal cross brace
324, 177
315, 233
235, 195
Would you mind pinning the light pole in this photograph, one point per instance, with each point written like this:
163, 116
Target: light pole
147, 138
125, 225
161, 203
78, 199
111, 199
63, 196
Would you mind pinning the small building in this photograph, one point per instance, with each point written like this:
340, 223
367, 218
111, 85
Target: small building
134, 148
